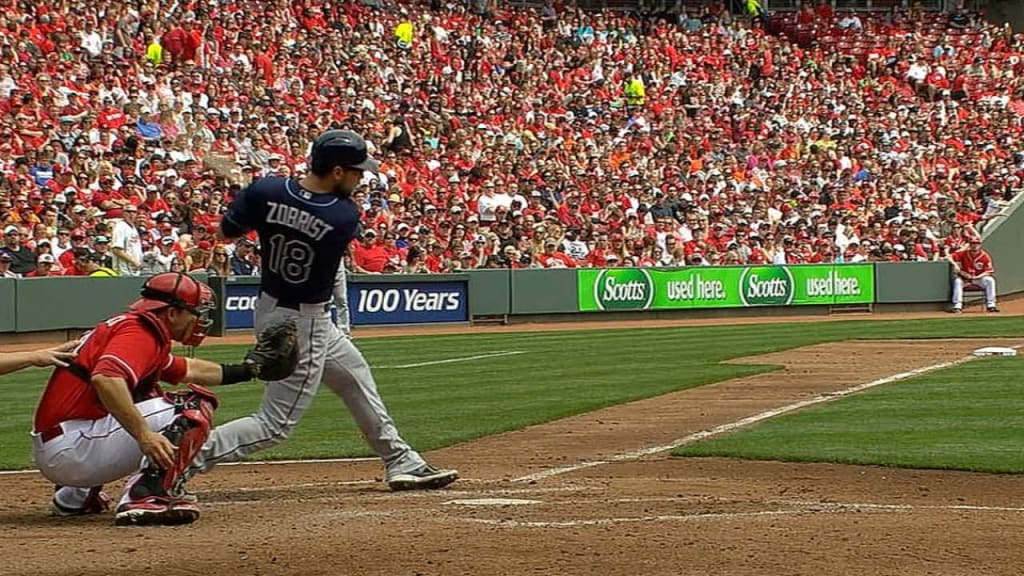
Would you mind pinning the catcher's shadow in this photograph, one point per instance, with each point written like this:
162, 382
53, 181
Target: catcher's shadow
42, 518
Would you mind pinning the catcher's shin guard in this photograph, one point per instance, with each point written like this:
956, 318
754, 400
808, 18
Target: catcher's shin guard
191, 428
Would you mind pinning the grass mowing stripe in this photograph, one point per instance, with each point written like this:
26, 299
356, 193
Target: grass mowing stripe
970, 417
562, 374
741, 423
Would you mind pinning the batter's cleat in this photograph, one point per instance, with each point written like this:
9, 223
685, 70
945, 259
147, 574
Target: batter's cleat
955, 310
96, 503
156, 511
992, 309
425, 477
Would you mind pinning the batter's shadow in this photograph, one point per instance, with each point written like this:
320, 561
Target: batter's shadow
290, 494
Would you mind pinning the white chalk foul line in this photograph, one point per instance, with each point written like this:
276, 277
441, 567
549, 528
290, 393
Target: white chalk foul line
627, 520
703, 434
808, 508
242, 463
865, 506
454, 360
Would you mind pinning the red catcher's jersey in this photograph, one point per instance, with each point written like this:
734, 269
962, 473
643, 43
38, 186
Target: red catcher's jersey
134, 347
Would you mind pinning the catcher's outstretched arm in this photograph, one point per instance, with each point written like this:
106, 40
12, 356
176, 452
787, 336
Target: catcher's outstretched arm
274, 357
206, 373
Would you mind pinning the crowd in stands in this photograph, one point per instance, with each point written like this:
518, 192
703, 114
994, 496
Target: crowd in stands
509, 137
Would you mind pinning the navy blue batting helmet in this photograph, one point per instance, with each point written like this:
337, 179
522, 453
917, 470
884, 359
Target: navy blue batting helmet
341, 148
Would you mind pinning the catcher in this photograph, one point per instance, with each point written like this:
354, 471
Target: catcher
104, 415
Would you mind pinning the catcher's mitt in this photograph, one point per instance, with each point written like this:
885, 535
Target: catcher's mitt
276, 353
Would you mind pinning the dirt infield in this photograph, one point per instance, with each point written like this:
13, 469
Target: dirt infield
641, 512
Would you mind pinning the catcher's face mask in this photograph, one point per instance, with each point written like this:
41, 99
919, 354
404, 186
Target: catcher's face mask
203, 313
180, 291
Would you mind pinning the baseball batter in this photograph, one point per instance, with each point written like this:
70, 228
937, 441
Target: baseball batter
104, 413
305, 227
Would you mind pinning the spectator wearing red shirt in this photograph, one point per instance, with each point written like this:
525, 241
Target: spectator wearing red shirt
824, 11
154, 204
44, 267
209, 218
553, 258
110, 117
973, 266
434, 261
369, 256
174, 43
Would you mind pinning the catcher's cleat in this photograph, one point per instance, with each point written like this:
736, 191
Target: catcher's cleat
156, 511
96, 503
425, 477
180, 492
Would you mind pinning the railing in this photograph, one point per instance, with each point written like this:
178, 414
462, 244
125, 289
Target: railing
737, 5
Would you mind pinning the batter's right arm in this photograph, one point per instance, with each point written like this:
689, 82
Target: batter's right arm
114, 394
240, 216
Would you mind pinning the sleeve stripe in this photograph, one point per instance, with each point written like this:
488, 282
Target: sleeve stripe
170, 360
135, 377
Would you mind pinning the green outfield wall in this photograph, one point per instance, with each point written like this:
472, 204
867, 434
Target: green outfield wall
69, 304
912, 282
8, 305
1004, 240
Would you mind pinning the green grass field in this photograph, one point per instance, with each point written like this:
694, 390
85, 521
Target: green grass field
969, 417
559, 374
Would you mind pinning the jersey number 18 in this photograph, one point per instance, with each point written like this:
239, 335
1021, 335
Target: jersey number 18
290, 259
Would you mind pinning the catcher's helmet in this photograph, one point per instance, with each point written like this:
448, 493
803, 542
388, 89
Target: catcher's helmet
341, 148
174, 289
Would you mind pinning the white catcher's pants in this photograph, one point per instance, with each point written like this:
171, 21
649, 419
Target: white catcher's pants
986, 282
95, 452
327, 354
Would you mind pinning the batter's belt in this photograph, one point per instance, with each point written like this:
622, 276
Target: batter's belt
302, 307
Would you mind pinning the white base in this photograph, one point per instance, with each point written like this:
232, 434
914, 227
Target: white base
995, 351
493, 502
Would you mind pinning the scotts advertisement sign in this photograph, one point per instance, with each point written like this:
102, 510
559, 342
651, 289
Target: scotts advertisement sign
615, 289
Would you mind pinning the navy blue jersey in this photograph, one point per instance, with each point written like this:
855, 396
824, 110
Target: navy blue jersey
303, 236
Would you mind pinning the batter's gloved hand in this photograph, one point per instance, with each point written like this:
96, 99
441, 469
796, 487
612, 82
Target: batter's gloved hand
276, 353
